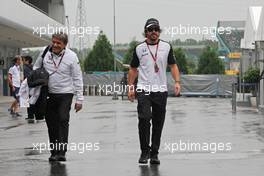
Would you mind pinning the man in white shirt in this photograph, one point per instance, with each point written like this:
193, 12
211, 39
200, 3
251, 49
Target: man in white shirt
14, 80
149, 63
65, 80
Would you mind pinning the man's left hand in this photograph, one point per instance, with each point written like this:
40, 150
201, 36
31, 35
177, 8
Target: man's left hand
77, 107
177, 88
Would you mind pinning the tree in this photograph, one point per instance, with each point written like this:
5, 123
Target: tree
191, 66
252, 75
101, 57
211, 43
129, 54
181, 60
191, 42
209, 63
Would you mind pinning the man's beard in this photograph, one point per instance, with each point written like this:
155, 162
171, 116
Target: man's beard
154, 37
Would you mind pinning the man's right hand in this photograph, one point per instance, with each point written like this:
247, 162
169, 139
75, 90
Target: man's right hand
131, 95
77, 107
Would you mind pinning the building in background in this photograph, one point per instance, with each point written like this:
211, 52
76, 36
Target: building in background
253, 46
20, 23
248, 42
229, 44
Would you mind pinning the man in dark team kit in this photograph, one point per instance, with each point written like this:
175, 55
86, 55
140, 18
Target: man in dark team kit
149, 63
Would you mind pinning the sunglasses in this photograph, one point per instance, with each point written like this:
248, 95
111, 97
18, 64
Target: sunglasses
151, 29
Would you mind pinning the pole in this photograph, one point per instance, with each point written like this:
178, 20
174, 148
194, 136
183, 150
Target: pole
234, 98
68, 26
115, 96
114, 37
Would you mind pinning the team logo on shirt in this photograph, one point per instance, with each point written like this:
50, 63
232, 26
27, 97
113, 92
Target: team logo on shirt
144, 52
49, 62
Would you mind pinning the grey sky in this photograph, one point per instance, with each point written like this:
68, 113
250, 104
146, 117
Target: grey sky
131, 15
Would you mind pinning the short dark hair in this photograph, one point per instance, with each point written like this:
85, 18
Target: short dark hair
61, 36
29, 59
17, 57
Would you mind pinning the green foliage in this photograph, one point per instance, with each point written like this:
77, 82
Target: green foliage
191, 66
211, 43
181, 60
101, 57
129, 54
209, 63
252, 75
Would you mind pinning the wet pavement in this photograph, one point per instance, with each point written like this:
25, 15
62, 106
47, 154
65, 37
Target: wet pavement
108, 130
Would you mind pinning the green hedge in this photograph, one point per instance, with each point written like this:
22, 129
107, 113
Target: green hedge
252, 75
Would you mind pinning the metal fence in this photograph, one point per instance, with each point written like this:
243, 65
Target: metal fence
192, 85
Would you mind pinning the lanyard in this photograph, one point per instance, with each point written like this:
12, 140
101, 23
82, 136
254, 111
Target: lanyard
156, 53
57, 66
156, 68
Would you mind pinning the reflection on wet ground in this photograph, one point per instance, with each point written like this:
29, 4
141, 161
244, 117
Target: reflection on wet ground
57, 168
113, 124
151, 170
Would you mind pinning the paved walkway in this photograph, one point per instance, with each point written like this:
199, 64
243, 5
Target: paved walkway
108, 130
6, 99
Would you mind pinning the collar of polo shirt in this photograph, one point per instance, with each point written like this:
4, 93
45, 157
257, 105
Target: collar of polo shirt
60, 54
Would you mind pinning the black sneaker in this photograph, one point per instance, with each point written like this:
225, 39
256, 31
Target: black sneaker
144, 158
18, 115
60, 157
39, 121
11, 111
30, 120
52, 158
30, 117
154, 159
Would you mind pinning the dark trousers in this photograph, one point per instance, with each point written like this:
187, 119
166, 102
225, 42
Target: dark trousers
31, 111
151, 108
57, 119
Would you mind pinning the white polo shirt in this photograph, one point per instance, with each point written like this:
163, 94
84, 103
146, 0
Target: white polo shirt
65, 73
150, 79
15, 72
